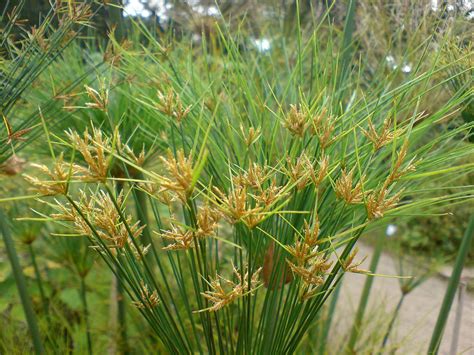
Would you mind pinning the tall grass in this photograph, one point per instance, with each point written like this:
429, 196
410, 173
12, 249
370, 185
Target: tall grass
226, 189
267, 184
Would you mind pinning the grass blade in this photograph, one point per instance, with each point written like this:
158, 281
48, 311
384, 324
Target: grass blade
452, 288
21, 284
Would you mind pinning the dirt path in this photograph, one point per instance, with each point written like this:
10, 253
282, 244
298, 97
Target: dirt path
414, 326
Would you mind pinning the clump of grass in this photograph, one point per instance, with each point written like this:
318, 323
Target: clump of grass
253, 231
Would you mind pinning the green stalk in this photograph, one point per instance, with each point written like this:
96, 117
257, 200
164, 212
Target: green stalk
121, 316
328, 321
392, 321
21, 285
364, 298
347, 47
38, 278
86, 313
121, 307
452, 288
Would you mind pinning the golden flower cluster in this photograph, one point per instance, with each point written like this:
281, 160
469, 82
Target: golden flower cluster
180, 174
171, 105
251, 135
345, 189
384, 137
59, 177
303, 171
100, 216
379, 201
310, 265
94, 148
99, 98
322, 126
349, 265
224, 291
147, 299
183, 238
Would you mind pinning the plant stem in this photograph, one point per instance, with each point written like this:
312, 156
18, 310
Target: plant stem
21, 285
86, 313
121, 306
38, 278
328, 321
457, 320
392, 321
121, 317
452, 288
364, 298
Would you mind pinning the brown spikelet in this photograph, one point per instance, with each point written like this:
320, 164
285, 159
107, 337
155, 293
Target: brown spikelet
180, 174
224, 291
147, 299
58, 177
94, 148
322, 126
397, 170
171, 105
349, 265
99, 98
250, 136
378, 202
345, 189
295, 121
384, 137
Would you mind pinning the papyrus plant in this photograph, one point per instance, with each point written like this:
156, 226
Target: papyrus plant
272, 174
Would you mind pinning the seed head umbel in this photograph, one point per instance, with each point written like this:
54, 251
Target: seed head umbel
180, 174
346, 191
295, 121
224, 292
384, 137
94, 149
147, 299
59, 175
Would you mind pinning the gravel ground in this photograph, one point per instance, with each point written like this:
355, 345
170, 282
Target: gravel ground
414, 326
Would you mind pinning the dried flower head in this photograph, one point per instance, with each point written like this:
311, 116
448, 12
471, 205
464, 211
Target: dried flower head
295, 121
37, 34
300, 172
378, 202
323, 126
350, 266
311, 273
99, 98
182, 239
180, 174
345, 190
108, 222
397, 170
14, 135
93, 148
224, 291
147, 299
384, 137
270, 194
59, 176
250, 136
171, 105
253, 177
318, 176
128, 152
207, 221
236, 207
